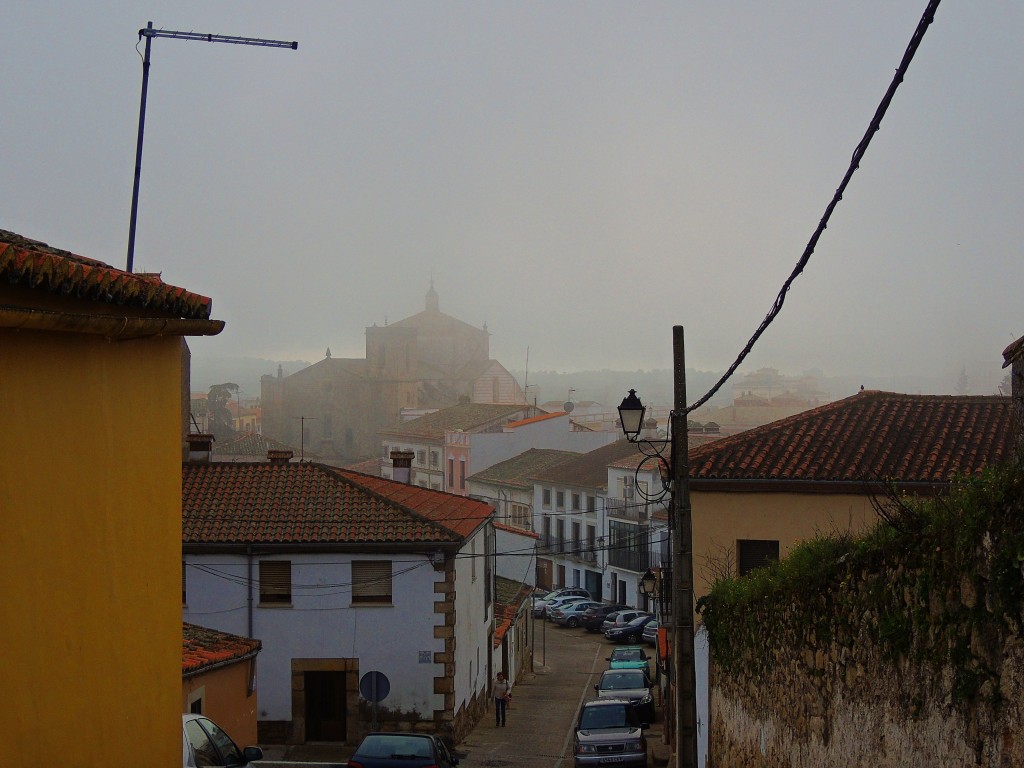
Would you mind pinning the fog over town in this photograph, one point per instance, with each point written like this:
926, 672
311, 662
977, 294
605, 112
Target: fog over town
578, 177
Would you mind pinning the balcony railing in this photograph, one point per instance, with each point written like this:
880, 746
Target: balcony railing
628, 509
631, 559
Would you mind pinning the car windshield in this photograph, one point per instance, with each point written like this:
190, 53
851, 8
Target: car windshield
604, 717
617, 681
395, 746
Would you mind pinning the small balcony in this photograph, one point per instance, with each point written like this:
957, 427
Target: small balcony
628, 509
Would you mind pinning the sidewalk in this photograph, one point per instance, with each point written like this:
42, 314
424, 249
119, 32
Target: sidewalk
540, 721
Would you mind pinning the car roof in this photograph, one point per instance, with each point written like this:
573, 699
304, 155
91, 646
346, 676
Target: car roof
611, 700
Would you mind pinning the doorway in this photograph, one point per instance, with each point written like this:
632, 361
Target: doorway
325, 706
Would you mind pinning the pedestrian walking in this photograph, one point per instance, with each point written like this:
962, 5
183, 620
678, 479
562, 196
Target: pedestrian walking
502, 694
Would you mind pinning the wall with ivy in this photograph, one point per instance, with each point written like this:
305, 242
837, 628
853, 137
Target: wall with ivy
904, 647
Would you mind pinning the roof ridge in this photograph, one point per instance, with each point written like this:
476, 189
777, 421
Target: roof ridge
416, 515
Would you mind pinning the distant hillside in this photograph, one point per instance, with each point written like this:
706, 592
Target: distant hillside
604, 386
243, 371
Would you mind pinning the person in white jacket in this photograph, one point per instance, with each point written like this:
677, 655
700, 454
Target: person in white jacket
502, 693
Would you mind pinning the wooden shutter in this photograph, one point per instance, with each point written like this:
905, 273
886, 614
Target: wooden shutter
275, 581
371, 581
755, 553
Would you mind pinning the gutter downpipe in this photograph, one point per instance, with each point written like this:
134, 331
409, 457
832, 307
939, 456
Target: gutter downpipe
248, 555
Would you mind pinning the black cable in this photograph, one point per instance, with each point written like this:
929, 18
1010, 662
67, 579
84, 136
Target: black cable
858, 153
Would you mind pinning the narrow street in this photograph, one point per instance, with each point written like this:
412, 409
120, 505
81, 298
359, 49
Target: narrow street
539, 726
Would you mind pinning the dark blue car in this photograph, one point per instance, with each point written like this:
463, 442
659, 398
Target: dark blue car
631, 632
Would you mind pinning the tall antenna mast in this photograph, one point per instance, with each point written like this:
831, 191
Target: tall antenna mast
149, 33
526, 378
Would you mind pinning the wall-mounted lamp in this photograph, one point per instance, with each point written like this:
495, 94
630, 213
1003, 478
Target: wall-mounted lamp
649, 583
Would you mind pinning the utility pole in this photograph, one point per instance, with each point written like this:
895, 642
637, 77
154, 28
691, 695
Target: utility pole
683, 664
149, 33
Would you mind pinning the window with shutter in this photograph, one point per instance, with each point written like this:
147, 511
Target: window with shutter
371, 581
275, 581
755, 553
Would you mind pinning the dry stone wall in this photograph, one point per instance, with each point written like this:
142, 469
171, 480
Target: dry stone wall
908, 653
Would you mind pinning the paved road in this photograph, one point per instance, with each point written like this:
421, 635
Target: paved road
539, 725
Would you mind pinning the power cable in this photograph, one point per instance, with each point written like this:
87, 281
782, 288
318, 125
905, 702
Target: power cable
858, 153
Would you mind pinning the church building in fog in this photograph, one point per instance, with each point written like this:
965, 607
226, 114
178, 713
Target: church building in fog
431, 360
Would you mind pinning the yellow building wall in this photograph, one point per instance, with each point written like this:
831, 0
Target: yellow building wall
721, 519
224, 692
90, 550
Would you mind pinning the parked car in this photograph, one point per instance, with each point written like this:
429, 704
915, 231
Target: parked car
608, 732
565, 592
592, 617
630, 657
629, 684
621, 618
402, 750
629, 633
542, 608
203, 743
569, 615
650, 634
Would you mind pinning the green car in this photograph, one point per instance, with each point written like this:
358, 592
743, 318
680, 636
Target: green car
630, 657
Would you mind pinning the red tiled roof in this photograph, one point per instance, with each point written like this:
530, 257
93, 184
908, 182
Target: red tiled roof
519, 470
36, 265
256, 446
1012, 351
870, 436
365, 467
459, 514
514, 529
509, 597
535, 419
202, 648
588, 470
292, 503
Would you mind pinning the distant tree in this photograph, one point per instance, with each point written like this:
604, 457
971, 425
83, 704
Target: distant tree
217, 407
963, 383
1006, 386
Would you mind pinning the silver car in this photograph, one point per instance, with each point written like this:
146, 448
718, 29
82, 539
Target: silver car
608, 733
629, 684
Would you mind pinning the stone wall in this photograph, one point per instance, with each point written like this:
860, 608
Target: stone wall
906, 652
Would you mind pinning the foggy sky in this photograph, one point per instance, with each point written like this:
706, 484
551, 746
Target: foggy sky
580, 176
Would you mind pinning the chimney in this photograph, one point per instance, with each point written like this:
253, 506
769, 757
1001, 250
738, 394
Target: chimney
200, 447
401, 462
280, 456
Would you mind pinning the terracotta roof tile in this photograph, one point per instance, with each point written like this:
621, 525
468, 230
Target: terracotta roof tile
588, 470
870, 436
36, 265
256, 446
519, 470
202, 648
232, 503
535, 419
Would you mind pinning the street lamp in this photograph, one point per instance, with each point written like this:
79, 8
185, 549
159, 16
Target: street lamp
631, 415
683, 677
648, 583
